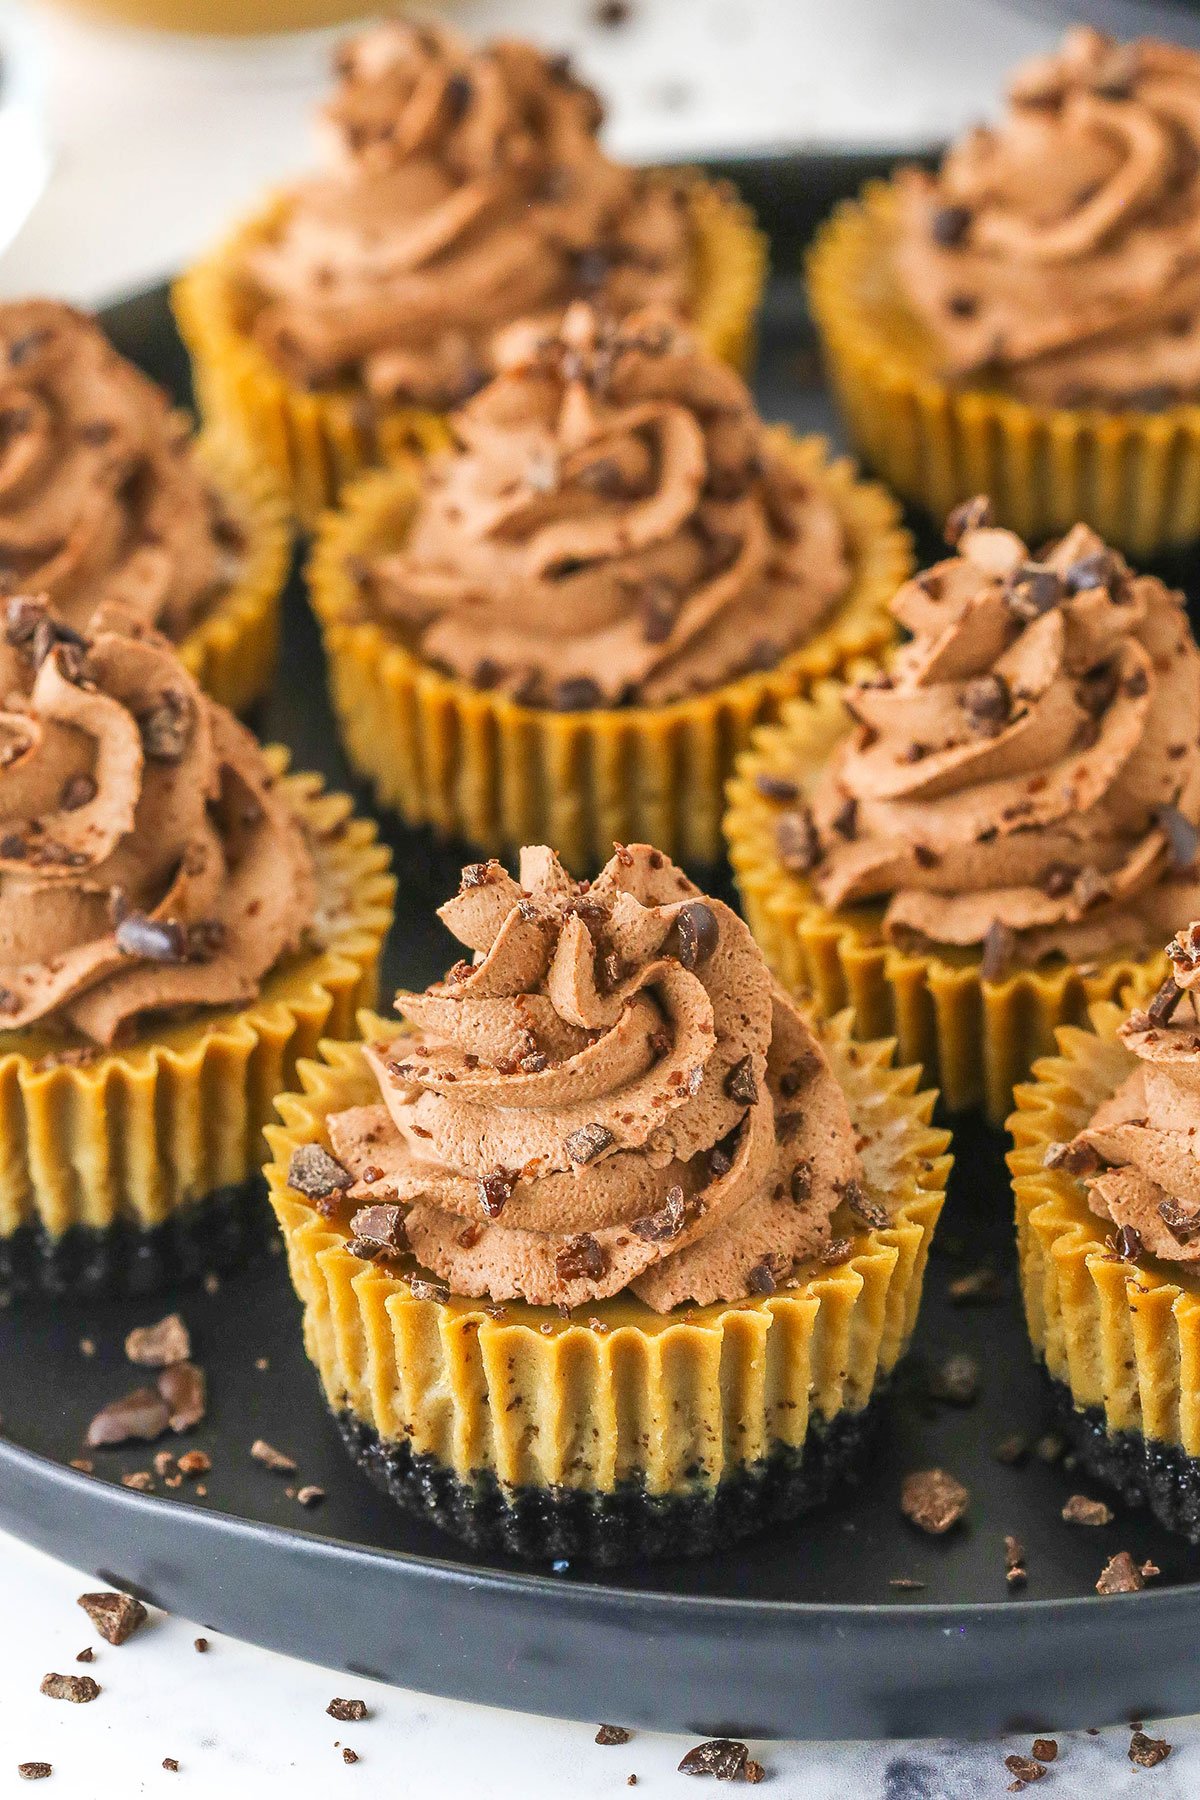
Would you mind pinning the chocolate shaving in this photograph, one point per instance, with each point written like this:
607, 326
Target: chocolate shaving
115, 1616
933, 1500
1128, 1243
157, 1346
1045, 1749
79, 791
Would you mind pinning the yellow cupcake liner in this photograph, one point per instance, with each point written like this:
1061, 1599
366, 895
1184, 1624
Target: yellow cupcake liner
317, 440
974, 1038
477, 765
1124, 1337
136, 1135
615, 1393
232, 649
1133, 476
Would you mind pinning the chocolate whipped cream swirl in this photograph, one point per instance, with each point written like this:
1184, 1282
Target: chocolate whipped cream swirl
1026, 777
1060, 250
148, 863
101, 500
613, 1094
1140, 1151
464, 188
614, 525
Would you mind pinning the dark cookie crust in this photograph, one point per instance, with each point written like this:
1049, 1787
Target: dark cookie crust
544, 1524
1143, 1471
214, 1234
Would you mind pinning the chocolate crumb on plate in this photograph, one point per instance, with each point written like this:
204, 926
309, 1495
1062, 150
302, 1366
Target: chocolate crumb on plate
171, 1764
347, 1711
978, 1287
1045, 1749
140, 1480
1079, 1510
1147, 1752
183, 1388
1024, 1768
955, 1380
726, 1758
200, 1645
270, 1458
115, 1616
86, 1655
194, 1463
613, 1734
77, 1688
933, 1501
1121, 1575
1012, 1450
140, 1416
158, 1346
34, 1771
310, 1495
1015, 1572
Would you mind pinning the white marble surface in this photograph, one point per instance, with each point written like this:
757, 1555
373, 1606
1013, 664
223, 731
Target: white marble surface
244, 1724
158, 142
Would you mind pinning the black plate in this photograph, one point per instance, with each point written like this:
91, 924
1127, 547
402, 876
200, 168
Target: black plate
797, 1633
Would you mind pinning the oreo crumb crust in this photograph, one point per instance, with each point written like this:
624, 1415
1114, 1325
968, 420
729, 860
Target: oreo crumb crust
214, 1234
1142, 1471
546, 1524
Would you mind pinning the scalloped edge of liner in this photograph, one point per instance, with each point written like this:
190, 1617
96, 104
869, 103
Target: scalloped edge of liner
316, 442
670, 1400
1133, 476
976, 1039
232, 650
477, 765
1122, 1336
138, 1134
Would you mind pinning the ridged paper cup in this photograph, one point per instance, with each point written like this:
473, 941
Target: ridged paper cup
318, 439
1119, 1340
232, 649
477, 765
1133, 476
131, 1167
974, 1038
615, 1431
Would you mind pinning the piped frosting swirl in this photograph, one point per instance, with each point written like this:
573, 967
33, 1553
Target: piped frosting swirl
1060, 250
1026, 776
1140, 1152
148, 862
614, 525
101, 499
464, 188
612, 1094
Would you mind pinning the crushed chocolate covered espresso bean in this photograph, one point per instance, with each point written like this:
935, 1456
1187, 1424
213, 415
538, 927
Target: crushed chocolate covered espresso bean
933, 1501
116, 1616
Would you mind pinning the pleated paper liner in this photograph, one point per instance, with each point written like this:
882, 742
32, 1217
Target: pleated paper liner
232, 649
595, 1424
1120, 1339
134, 1141
974, 1038
317, 440
479, 766
1133, 476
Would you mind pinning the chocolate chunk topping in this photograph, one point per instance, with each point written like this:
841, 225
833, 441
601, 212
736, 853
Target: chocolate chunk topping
845, 819
270, 1458
933, 1500
776, 787
797, 841
381, 1225
587, 1143
725, 1758
999, 947
948, 225
425, 1287
972, 515
867, 1211
347, 1712
1163, 1005
665, 1223
1186, 954
1181, 1224
184, 1390
987, 703
581, 1257
1183, 839
1093, 571
801, 1181
578, 694
115, 1616
694, 935
1058, 879
760, 1278
156, 1346
140, 1416
1032, 590
317, 1175
1128, 1243
167, 730
740, 1084
1148, 1752
153, 940
658, 608
477, 875
77, 1688
1077, 1157
1079, 1510
79, 791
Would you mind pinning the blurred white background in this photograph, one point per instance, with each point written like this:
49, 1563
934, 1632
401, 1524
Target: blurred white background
158, 142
